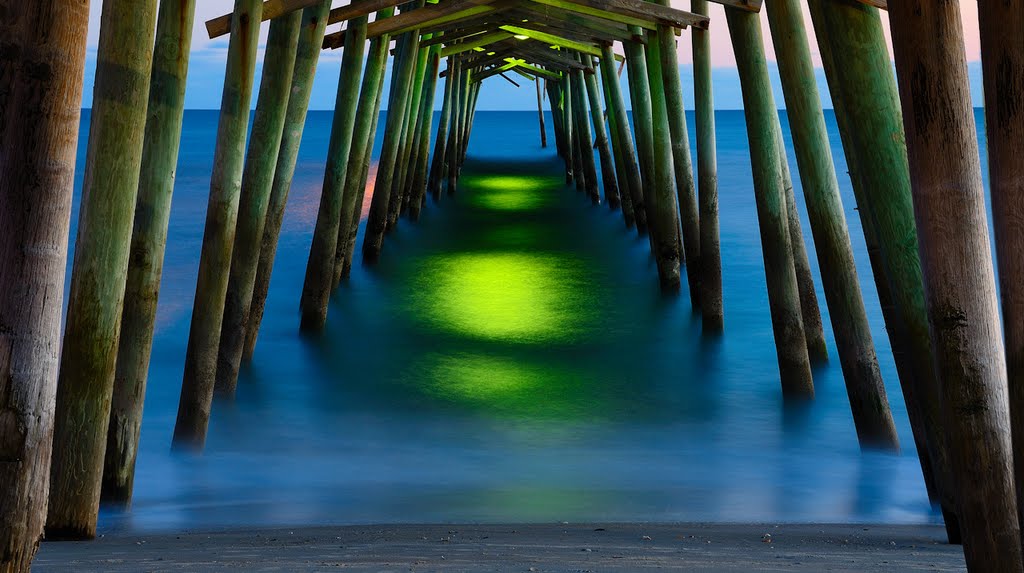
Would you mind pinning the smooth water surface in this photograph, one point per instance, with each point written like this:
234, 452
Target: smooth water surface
509, 360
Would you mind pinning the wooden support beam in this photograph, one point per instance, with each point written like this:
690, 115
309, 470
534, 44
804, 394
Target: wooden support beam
91, 335
865, 387
560, 18
425, 19
221, 25
858, 68
611, 186
417, 187
311, 35
257, 183
149, 239
373, 239
1002, 25
748, 5
320, 266
356, 174
765, 135
640, 100
960, 291
712, 313
686, 196
534, 32
578, 32
630, 188
437, 162
631, 12
222, 212
39, 127
482, 41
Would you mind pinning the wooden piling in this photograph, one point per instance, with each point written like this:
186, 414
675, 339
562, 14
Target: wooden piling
452, 153
617, 110
814, 332
540, 115
165, 112
686, 195
555, 104
39, 124
399, 197
418, 188
963, 313
311, 35
345, 262
611, 185
322, 262
361, 152
89, 352
640, 99
586, 137
437, 163
712, 312
1002, 27
622, 184
865, 387
868, 114
254, 199
764, 135
218, 238
377, 223
662, 208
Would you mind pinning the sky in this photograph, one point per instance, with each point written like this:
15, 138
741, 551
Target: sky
206, 72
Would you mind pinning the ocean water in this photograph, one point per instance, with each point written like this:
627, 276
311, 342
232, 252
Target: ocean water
509, 360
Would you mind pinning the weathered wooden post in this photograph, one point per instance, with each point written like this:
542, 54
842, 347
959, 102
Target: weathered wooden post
540, 115
399, 196
611, 185
359, 156
437, 163
554, 99
39, 121
712, 313
617, 110
622, 183
865, 387
949, 204
585, 138
764, 134
662, 208
321, 265
867, 111
683, 169
378, 218
1002, 26
640, 99
89, 353
452, 153
254, 199
311, 35
418, 186
346, 257
221, 216
813, 329
149, 237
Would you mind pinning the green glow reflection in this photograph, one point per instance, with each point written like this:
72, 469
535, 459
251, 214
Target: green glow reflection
510, 388
511, 192
506, 296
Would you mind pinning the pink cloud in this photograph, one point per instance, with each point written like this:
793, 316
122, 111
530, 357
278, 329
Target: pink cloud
722, 54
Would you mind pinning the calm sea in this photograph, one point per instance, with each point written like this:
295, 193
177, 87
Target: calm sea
510, 360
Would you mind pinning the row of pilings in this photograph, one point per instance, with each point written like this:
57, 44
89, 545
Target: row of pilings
70, 410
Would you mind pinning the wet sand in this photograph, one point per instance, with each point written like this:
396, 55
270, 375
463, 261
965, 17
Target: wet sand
542, 548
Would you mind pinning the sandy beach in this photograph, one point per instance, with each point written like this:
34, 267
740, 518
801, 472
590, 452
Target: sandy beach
718, 548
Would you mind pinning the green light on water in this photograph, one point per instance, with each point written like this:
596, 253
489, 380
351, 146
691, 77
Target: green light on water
509, 387
506, 296
511, 192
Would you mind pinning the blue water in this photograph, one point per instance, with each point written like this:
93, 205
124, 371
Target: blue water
510, 359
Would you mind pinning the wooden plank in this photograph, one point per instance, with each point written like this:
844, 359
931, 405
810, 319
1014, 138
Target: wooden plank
579, 30
221, 25
748, 5
359, 8
880, 4
484, 40
532, 32
608, 28
636, 10
426, 18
